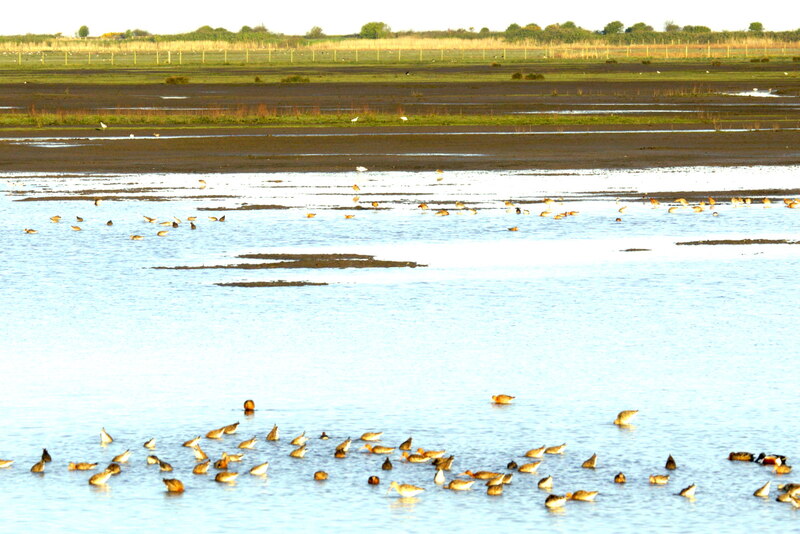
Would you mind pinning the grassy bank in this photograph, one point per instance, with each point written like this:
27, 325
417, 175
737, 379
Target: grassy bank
267, 117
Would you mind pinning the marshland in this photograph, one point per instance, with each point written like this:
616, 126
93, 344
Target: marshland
384, 248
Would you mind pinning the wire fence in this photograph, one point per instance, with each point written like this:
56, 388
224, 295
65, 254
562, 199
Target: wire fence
308, 56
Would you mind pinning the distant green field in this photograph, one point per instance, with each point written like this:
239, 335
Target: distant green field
572, 71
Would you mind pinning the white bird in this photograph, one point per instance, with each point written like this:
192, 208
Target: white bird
103, 125
361, 169
403, 118
131, 136
354, 120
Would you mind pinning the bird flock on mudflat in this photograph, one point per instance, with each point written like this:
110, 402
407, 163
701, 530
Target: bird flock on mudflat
552, 209
494, 481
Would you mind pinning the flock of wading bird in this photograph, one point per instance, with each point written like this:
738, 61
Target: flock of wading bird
551, 210
494, 481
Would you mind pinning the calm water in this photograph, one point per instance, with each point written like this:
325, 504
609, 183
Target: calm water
700, 339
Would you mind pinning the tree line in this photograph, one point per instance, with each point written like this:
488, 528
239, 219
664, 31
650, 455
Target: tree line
615, 32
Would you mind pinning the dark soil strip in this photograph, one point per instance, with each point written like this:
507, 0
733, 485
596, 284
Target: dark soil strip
307, 261
274, 283
118, 197
740, 242
246, 207
636, 250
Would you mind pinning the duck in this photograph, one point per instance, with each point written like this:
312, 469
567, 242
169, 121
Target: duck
459, 485
320, 475
741, 457
6, 463
556, 449
46, 458
546, 483
482, 475
233, 457
763, 491
405, 490
416, 458
387, 465
624, 417
536, 453
199, 454
260, 469
406, 445
150, 444
502, 399
445, 464
345, 445
136, 237
202, 468
226, 476
114, 469
122, 458
555, 501
431, 454
221, 464
152, 460
215, 434
248, 444
378, 449
164, 466
101, 478
659, 480
371, 436
591, 463
324, 436
529, 468
671, 465
38, 467
373, 480
173, 485
81, 466
494, 490
582, 495
105, 438
688, 491
782, 469
249, 405
55, 218
619, 478
438, 478
274, 434
162, 233
299, 440
512, 465
299, 452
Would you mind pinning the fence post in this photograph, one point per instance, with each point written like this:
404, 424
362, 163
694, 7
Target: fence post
745, 49
313, 56
334, 55
180, 57
378, 55
269, 55
19, 58
42, 57
247, 56
203, 57
420, 55
291, 55
112, 59
65, 57
356, 55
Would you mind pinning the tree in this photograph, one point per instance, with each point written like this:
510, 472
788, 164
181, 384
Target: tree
569, 25
670, 26
315, 33
83, 32
375, 30
639, 27
756, 27
613, 27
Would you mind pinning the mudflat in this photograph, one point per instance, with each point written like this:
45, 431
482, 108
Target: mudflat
725, 128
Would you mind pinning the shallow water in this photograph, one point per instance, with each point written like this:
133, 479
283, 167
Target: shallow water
699, 339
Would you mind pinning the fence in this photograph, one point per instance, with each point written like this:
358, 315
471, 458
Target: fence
310, 56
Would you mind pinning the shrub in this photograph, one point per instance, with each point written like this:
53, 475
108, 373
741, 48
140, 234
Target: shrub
177, 80
495, 65
611, 61
534, 76
516, 76
645, 62
258, 79
764, 60
796, 58
716, 63
755, 60
295, 78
